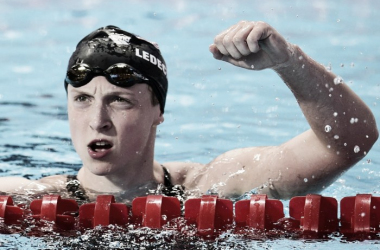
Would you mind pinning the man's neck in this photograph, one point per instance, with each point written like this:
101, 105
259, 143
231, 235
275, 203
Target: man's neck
134, 180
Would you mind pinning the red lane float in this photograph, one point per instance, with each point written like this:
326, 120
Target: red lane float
154, 211
10, 213
311, 216
258, 213
317, 215
209, 213
360, 215
103, 212
54, 209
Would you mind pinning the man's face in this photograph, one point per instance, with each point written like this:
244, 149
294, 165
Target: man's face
112, 127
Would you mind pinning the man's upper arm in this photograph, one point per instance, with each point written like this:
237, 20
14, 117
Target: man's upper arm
300, 166
307, 166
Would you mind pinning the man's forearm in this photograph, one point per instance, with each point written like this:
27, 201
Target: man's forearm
336, 114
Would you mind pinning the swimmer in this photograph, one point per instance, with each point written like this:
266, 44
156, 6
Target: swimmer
116, 87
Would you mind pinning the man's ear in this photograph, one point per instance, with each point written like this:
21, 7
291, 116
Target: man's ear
159, 119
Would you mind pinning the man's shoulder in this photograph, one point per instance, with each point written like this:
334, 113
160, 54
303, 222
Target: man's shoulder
57, 180
179, 171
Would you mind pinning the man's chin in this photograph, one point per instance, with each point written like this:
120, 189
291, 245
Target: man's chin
101, 169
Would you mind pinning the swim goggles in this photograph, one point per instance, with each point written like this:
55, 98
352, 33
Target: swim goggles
119, 74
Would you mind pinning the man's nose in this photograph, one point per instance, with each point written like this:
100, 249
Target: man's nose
100, 120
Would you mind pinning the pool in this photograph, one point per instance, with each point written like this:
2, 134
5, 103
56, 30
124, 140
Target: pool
212, 107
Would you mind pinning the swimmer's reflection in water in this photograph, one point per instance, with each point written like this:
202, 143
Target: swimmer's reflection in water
116, 87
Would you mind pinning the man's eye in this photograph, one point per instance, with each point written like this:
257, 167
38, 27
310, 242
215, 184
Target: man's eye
81, 98
119, 99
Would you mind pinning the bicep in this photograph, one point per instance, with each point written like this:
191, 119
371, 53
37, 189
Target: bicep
308, 166
300, 166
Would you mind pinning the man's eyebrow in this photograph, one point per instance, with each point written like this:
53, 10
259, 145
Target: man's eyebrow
116, 92
113, 92
78, 91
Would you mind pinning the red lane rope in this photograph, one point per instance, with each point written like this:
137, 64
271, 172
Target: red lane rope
311, 216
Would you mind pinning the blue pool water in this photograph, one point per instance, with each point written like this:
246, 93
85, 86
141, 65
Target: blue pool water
212, 107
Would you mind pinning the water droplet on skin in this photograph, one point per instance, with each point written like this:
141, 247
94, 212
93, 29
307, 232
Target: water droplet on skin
362, 214
345, 144
327, 128
336, 137
252, 66
301, 57
338, 80
356, 149
305, 180
328, 146
335, 114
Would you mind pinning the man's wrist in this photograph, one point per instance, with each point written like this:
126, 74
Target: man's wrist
295, 55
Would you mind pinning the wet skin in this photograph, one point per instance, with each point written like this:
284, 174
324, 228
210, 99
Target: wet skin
113, 131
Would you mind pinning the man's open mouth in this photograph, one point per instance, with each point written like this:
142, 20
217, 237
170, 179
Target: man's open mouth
99, 145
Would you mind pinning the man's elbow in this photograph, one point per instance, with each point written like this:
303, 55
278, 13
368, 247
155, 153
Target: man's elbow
361, 149
373, 135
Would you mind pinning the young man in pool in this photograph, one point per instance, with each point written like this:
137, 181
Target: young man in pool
116, 87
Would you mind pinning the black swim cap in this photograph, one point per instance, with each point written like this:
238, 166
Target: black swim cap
110, 45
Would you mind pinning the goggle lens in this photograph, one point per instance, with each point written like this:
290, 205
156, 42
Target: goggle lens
119, 74
124, 75
77, 74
